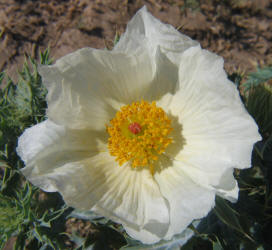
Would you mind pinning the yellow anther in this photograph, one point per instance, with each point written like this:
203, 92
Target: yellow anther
139, 133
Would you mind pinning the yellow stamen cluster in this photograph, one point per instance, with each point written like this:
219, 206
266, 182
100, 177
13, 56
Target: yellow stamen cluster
144, 147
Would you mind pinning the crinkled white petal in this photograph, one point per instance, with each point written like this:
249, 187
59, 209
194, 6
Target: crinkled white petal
84, 86
144, 30
228, 187
165, 79
149, 238
145, 236
132, 198
37, 138
47, 146
120, 193
73, 163
218, 132
186, 200
47, 139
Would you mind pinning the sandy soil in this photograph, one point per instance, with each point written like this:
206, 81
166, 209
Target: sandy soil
238, 30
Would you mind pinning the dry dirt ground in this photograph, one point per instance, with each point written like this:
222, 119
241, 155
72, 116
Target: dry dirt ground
238, 30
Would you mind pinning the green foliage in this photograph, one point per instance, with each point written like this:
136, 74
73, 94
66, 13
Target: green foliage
107, 232
90, 216
258, 77
21, 213
116, 38
259, 105
22, 105
105, 236
10, 218
228, 215
45, 57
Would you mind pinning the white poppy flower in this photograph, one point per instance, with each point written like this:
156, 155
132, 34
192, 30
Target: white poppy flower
146, 134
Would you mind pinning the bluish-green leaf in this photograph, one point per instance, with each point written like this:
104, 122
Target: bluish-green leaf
84, 215
258, 77
217, 246
259, 105
229, 216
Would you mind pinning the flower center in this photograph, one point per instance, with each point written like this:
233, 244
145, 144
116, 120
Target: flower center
135, 128
139, 133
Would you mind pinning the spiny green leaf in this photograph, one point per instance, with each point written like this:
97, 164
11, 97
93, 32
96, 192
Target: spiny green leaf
84, 215
259, 105
45, 57
217, 246
228, 216
264, 149
87, 243
2, 76
256, 78
10, 217
116, 38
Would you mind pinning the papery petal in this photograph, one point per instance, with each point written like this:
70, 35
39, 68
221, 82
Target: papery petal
47, 146
228, 186
48, 137
133, 198
35, 139
187, 200
143, 235
165, 80
84, 86
144, 30
149, 238
68, 161
125, 195
219, 133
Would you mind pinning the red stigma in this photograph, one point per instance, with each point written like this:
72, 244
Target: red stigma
135, 128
